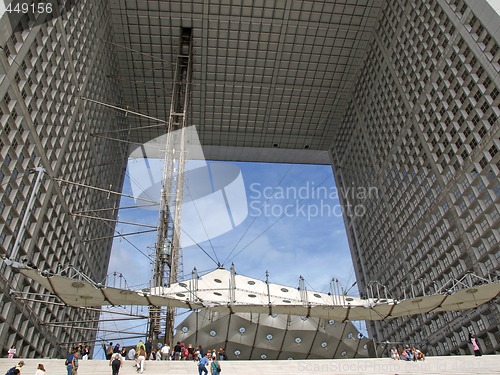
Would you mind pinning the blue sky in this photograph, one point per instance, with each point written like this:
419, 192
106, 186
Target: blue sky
287, 246
276, 236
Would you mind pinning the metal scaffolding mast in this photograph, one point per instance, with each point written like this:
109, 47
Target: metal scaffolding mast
166, 264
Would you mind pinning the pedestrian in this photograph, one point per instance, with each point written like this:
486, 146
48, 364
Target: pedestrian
69, 362
131, 354
141, 358
74, 363
202, 365
85, 353
40, 370
222, 354
418, 354
123, 353
184, 351
16, 370
190, 353
394, 353
165, 352
116, 363
140, 345
215, 367
11, 352
403, 355
409, 353
149, 347
177, 351
110, 351
475, 345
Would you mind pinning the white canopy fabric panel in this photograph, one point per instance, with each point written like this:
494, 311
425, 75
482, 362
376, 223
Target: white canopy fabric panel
224, 291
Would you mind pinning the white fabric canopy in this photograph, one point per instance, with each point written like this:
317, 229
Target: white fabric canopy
223, 291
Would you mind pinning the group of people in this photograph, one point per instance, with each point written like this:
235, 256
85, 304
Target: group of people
163, 352
114, 349
210, 361
411, 353
111, 350
181, 352
77, 353
408, 353
16, 370
117, 355
82, 350
72, 361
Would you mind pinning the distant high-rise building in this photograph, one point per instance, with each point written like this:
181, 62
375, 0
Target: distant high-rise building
401, 97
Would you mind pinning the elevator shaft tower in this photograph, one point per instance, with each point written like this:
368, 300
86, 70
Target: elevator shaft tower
166, 269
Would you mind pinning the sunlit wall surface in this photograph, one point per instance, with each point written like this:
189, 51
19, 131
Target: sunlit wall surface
422, 128
43, 71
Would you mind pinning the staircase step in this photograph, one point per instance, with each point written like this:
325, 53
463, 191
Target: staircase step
456, 365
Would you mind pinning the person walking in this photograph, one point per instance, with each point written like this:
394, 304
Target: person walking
149, 348
16, 370
69, 362
165, 352
116, 363
141, 358
215, 367
123, 353
202, 365
177, 351
11, 352
140, 345
74, 363
475, 345
222, 354
13, 371
85, 353
109, 351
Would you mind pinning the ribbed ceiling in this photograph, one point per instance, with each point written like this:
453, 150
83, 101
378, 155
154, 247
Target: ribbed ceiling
267, 73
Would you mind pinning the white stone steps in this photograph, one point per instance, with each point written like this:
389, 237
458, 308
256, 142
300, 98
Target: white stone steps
456, 365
